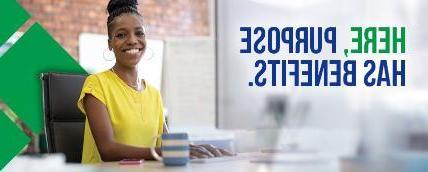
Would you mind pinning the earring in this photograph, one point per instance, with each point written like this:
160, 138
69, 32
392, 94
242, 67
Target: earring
108, 55
149, 54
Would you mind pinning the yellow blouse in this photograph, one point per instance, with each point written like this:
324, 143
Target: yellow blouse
136, 116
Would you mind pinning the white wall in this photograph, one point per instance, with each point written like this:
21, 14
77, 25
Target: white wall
189, 82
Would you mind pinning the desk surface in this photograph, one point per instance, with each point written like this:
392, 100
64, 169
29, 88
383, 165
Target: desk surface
245, 165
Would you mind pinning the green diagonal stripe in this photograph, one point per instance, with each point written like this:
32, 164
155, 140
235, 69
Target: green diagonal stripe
12, 17
12, 140
34, 53
20, 68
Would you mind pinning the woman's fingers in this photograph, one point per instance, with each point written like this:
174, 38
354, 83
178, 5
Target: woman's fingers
215, 151
197, 154
208, 151
205, 151
226, 152
200, 152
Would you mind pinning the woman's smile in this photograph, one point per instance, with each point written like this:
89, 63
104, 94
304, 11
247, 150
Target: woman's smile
132, 51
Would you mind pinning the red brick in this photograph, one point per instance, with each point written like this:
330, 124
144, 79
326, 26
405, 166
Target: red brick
65, 19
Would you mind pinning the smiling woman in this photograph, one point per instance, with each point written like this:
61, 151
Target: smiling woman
124, 113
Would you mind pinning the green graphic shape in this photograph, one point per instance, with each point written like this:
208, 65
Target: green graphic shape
13, 140
12, 17
34, 53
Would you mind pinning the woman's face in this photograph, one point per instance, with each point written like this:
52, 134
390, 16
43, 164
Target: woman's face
127, 39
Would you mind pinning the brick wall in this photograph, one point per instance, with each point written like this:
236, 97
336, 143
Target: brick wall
66, 19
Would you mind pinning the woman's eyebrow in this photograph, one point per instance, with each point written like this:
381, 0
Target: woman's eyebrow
119, 29
138, 28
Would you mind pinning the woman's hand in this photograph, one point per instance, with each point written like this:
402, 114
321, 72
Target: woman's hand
208, 151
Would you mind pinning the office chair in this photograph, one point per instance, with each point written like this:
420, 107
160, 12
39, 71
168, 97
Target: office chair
64, 123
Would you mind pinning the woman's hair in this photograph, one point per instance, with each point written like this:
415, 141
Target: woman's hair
115, 8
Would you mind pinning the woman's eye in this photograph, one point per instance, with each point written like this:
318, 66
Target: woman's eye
121, 35
140, 34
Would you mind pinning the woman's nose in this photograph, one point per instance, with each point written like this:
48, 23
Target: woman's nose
132, 40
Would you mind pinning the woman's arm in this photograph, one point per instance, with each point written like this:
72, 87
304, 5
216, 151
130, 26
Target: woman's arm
102, 132
110, 150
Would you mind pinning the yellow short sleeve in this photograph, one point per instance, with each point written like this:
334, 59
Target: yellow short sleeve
91, 86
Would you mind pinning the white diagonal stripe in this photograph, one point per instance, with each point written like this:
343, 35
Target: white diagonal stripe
175, 142
167, 154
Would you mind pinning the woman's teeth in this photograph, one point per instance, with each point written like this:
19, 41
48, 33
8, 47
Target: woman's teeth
132, 51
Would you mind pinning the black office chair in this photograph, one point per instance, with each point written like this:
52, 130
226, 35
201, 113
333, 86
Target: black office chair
64, 123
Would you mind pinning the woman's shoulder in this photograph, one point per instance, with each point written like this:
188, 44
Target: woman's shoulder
98, 79
150, 88
152, 92
99, 75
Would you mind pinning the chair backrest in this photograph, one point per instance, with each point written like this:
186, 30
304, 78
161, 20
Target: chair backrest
64, 123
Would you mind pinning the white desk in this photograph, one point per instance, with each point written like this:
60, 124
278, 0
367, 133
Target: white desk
243, 165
